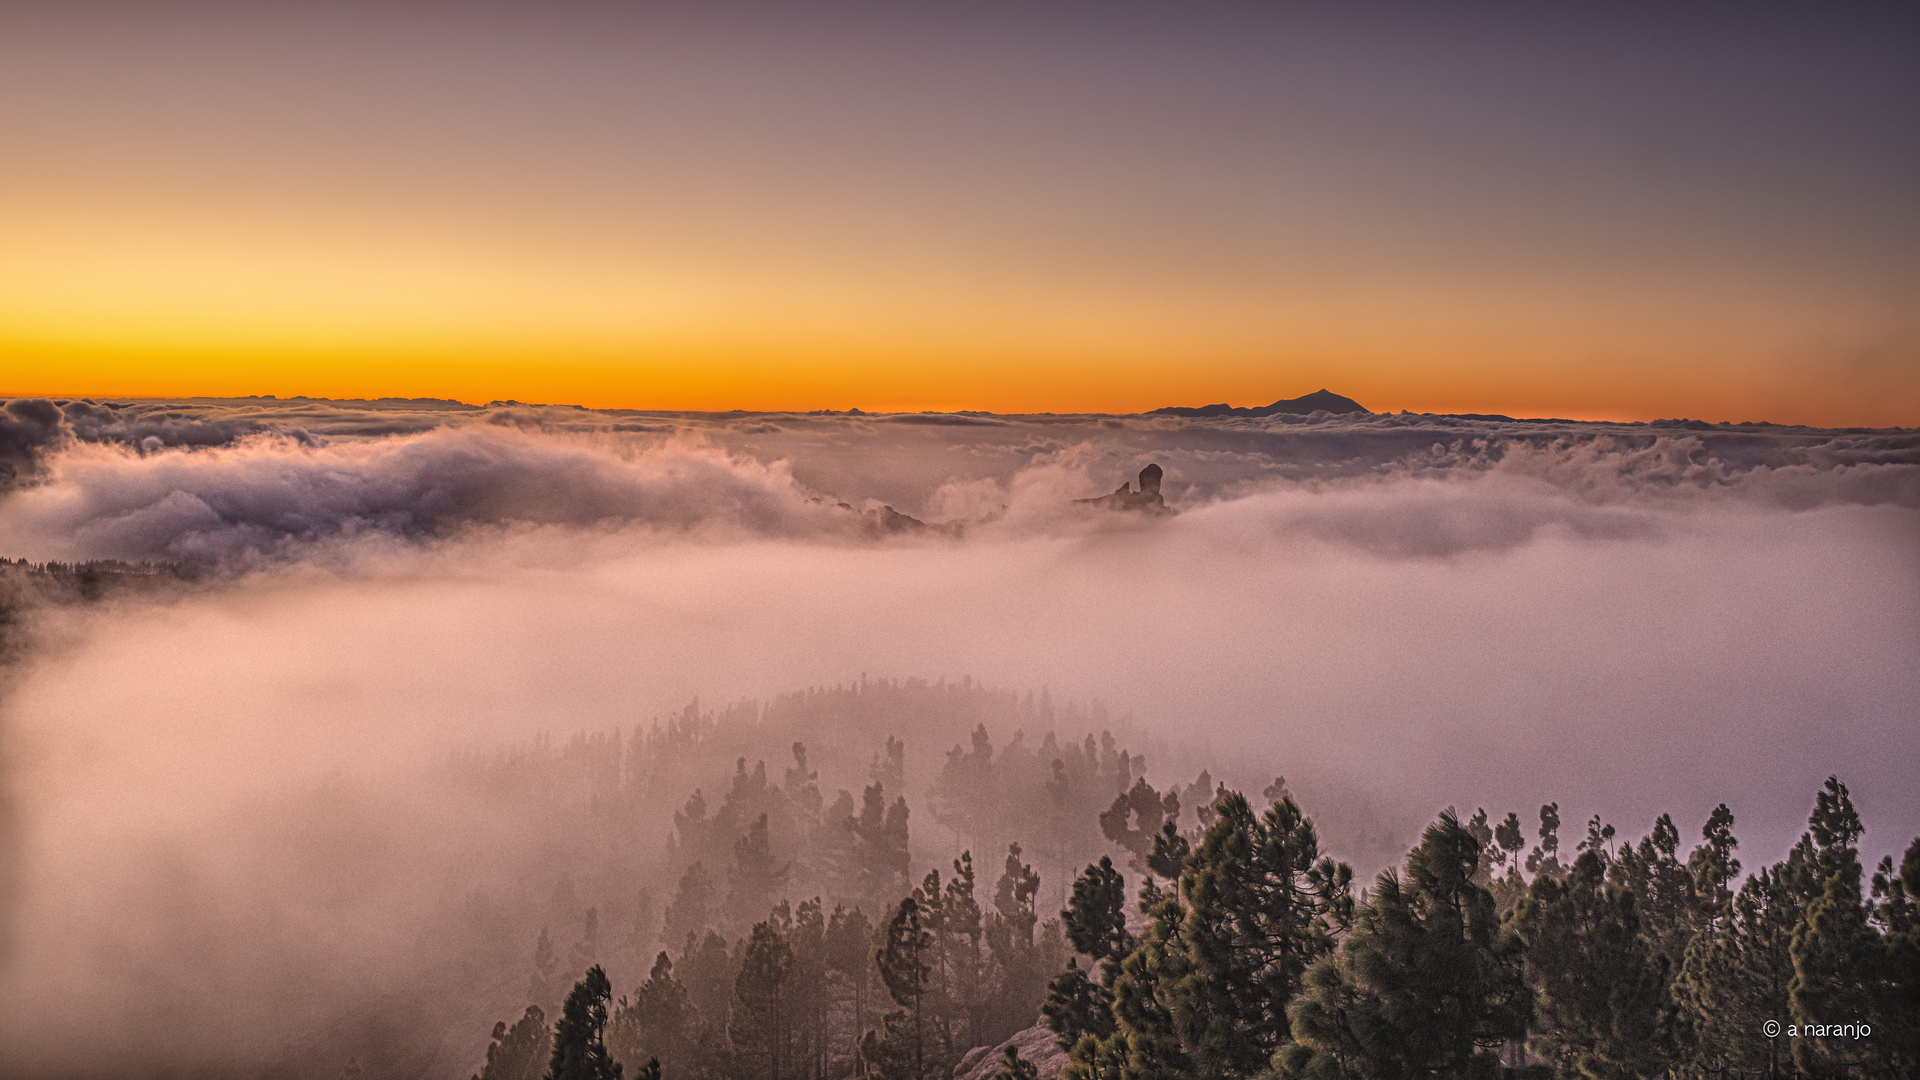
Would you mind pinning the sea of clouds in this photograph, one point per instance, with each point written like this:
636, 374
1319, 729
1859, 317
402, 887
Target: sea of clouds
1324, 575
1399, 612
256, 484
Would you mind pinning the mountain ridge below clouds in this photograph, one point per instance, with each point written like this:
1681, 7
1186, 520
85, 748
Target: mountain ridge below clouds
1321, 400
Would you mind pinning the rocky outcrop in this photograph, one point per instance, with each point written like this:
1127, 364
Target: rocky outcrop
886, 521
1035, 1044
1147, 500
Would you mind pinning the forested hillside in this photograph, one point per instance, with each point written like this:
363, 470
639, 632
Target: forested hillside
676, 857
1206, 936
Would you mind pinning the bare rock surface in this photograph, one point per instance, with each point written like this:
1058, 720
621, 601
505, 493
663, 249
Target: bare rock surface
1036, 1045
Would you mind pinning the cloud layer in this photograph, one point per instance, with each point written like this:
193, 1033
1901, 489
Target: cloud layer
1398, 613
253, 482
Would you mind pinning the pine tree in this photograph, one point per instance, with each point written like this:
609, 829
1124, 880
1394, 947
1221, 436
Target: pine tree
1079, 1001
1135, 819
1020, 961
960, 940
801, 785
1260, 906
1201, 795
1204, 992
1422, 983
893, 1052
519, 1052
1545, 857
543, 987
951, 1001
1015, 1067
807, 936
903, 961
890, 768
1894, 894
1118, 1024
1735, 979
659, 1024
1147, 1042
1508, 887
1669, 908
1013, 899
880, 844
1076, 1007
1839, 969
1169, 855
586, 951
691, 911
850, 961
1489, 851
579, 1052
1096, 917
961, 797
756, 876
706, 970
1711, 867
1600, 994
760, 1021
1511, 840
1600, 837
1714, 866
833, 849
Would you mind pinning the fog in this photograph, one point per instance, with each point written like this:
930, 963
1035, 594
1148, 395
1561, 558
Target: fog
235, 839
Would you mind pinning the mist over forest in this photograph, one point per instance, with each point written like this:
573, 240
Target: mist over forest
334, 733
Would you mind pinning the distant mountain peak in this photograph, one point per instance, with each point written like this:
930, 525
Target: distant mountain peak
1321, 400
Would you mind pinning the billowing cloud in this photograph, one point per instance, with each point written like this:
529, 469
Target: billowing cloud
29, 427
262, 497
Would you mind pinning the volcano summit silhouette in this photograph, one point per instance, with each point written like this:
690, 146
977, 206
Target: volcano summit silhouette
1319, 401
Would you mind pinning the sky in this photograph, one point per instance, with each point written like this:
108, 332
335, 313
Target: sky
1622, 213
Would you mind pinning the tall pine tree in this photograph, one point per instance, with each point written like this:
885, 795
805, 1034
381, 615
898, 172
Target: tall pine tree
520, 1052
579, 1049
1079, 1001
659, 1024
1260, 906
1735, 979
760, 1020
1423, 986
1601, 1005
1839, 962
900, 1049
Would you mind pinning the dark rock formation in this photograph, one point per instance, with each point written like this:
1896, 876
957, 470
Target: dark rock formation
886, 521
1147, 500
1318, 401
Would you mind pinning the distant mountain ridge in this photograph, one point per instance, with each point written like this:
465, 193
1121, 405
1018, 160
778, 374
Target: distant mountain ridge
1319, 401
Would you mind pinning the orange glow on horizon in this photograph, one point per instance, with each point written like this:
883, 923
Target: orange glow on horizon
757, 385
656, 211
136, 307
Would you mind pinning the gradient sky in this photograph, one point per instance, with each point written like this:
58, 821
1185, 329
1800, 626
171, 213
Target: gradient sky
1625, 213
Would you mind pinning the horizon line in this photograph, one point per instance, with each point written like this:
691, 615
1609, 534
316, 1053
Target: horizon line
108, 399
